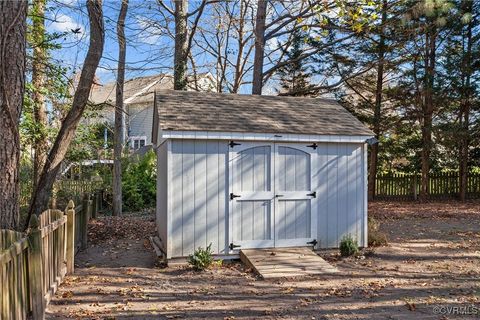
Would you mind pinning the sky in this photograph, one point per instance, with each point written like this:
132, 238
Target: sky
149, 43
146, 55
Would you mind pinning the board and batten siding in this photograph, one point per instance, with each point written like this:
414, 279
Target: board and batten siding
193, 205
342, 190
197, 196
162, 194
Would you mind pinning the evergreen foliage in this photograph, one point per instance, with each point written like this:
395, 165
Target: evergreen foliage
348, 246
139, 183
295, 76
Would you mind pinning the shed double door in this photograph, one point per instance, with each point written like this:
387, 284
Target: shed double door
271, 195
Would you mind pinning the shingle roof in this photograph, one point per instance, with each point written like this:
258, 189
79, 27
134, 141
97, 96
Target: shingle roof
136, 90
201, 111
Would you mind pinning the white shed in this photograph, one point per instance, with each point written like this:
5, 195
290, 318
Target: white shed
244, 171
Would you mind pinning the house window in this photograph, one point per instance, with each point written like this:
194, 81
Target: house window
137, 142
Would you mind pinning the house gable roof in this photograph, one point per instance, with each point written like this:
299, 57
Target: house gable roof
140, 90
202, 111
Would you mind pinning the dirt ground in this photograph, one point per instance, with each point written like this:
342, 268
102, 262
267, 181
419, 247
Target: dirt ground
429, 270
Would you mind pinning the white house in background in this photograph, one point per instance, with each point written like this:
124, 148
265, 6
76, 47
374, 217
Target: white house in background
138, 103
244, 171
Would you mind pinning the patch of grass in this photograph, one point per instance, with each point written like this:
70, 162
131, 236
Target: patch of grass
348, 246
376, 238
201, 259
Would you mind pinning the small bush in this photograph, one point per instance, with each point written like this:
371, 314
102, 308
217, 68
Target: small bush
348, 246
201, 259
139, 184
376, 238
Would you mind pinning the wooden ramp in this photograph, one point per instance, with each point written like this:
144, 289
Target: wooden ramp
285, 262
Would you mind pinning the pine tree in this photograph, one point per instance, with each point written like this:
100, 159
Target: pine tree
295, 76
460, 75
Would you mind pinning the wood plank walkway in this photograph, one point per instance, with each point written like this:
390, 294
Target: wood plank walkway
285, 262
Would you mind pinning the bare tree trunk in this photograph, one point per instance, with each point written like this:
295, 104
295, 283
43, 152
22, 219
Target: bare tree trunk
13, 25
430, 50
257, 82
181, 45
465, 111
69, 124
118, 136
372, 174
241, 45
38, 81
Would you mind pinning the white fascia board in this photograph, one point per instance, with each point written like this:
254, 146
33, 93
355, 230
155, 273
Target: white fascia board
210, 135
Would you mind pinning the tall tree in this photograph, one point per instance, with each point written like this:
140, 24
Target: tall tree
459, 67
39, 62
373, 166
467, 92
69, 124
257, 82
13, 25
227, 36
365, 94
181, 45
431, 20
284, 17
119, 111
183, 38
294, 76
466, 96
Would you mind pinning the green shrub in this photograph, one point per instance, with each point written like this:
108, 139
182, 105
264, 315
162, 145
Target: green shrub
201, 259
348, 246
139, 183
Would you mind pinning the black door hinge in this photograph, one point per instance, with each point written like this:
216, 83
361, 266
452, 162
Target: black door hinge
314, 146
313, 242
233, 144
233, 246
233, 196
313, 194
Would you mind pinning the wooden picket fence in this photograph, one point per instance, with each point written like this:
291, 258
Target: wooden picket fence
444, 185
33, 264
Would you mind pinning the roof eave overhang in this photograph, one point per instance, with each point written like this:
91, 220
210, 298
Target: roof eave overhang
211, 135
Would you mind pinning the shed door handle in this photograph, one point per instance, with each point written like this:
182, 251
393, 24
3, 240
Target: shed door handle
313, 194
278, 195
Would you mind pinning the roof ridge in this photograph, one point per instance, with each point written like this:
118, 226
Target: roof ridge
168, 91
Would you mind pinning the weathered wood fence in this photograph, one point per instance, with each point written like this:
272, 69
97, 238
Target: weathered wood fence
33, 264
71, 188
445, 185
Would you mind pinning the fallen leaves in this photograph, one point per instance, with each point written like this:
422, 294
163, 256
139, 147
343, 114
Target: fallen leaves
107, 230
375, 284
411, 306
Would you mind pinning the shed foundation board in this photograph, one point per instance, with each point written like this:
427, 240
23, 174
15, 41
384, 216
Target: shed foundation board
285, 262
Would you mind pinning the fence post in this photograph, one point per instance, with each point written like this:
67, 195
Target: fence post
90, 208
99, 199
70, 212
414, 186
95, 205
85, 217
35, 269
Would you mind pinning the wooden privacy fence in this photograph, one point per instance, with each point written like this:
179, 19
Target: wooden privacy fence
445, 185
33, 264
